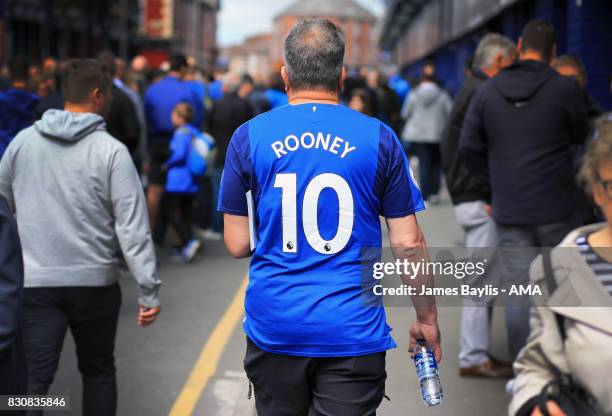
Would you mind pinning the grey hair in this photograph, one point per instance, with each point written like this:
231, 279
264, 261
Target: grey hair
314, 54
491, 46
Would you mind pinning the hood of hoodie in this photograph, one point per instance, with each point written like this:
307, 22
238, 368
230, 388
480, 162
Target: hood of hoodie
68, 126
428, 92
521, 81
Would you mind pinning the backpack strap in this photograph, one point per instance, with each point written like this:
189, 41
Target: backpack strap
551, 285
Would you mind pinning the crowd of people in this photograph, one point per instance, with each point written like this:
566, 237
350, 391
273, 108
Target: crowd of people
142, 117
153, 145
512, 150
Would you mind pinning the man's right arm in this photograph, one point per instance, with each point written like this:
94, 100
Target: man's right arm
400, 200
473, 146
408, 243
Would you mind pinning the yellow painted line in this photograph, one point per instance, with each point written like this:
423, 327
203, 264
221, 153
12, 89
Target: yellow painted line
206, 366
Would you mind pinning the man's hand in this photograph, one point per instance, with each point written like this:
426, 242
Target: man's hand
146, 315
430, 333
552, 407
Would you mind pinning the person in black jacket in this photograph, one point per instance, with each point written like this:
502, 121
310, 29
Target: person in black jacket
227, 114
12, 362
471, 198
519, 133
122, 119
572, 66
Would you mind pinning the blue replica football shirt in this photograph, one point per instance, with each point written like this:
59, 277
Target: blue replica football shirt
319, 175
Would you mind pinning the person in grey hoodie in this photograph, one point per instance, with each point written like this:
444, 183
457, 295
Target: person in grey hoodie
426, 111
81, 212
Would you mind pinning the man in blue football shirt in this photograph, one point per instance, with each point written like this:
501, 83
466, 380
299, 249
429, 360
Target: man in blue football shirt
318, 175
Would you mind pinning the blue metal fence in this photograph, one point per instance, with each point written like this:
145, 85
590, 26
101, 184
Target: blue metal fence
582, 29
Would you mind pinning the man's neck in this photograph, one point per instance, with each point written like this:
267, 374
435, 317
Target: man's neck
489, 71
601, 242
529, 55
19, 85
79, 108
321, 97
602, 238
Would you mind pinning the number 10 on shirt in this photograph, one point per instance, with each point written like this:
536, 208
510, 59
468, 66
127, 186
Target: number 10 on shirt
310, 221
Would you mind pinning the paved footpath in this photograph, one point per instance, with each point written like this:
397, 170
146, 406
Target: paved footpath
190, 361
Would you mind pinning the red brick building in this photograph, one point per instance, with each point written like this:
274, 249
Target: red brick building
356, 22
251, 57
180, 26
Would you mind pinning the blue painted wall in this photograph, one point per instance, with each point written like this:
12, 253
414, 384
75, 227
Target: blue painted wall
582, 30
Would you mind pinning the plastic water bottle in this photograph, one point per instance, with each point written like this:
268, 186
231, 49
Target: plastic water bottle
428, 374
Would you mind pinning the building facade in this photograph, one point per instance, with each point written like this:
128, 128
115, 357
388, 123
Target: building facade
356, 22
447, 31
80, 28
252, 57
180, 26
67, 28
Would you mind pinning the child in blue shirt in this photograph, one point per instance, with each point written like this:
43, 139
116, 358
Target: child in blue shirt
181, 184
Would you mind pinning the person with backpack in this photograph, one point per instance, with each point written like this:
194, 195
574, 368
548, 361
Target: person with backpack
185, 167
568, 355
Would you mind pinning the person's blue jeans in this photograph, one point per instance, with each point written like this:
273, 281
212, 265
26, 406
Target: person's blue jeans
215, 184
519, 246
430, 167
92, 314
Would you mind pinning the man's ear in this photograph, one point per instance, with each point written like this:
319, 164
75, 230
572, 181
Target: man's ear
499, 62
342, 78
285, 77
96, 95
519, 46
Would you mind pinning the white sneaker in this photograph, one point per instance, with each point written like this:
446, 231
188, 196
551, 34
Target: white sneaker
212, 235
190, 250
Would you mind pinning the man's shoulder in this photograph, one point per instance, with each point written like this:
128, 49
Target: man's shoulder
268, 116
564, 85
471, 84
338, 113
120, 93
24, 136
107, 142
160, 86
487, 85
